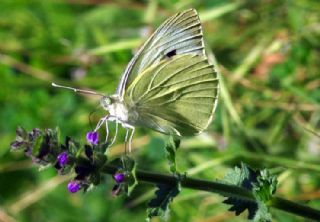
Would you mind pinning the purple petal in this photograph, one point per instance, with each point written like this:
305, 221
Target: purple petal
119, 177
63, 159
74, 186
93, 137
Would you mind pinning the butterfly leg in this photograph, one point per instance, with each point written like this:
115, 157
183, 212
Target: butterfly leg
107, 130
115, 135
132, 128
101, 121
126, 140
130, 139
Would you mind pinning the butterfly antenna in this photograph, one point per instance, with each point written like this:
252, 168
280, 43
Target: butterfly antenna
77, 90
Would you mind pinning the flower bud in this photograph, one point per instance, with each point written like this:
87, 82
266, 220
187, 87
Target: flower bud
119, 177
74, 186
63, 159
93, 137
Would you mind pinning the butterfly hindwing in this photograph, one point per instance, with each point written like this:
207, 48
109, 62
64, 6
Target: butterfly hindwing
175, 96
178, 35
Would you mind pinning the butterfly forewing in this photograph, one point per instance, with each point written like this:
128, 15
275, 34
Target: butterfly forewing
175, 96
180, 34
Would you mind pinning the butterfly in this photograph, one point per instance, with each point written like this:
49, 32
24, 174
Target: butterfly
168, 86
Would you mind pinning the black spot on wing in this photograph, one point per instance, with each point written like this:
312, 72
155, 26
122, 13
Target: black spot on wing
171, 53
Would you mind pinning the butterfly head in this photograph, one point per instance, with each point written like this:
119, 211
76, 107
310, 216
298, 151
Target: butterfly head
106, 102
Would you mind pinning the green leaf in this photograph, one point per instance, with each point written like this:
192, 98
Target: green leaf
102, 147
159, 205
171, 147
128, 163
21, 133
95, 178
38, 144
99, 159
243, 177
262, 185
265, 186
130, 169
262, 214
57, 135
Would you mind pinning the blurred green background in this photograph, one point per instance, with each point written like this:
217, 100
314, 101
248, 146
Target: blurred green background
268, 113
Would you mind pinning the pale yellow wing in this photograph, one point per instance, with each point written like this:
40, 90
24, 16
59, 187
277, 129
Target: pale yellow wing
175, 96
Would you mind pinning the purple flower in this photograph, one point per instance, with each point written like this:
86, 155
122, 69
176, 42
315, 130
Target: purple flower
74, 186
93, 137
119, 177
63, 159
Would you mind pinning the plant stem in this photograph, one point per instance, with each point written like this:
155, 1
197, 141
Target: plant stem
220, 188
295, 208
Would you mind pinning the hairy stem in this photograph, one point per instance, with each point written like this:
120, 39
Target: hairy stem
220, 188
295, 208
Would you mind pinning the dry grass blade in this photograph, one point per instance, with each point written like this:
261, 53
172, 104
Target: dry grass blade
5, 217
32, 196
22, 67
116, 46
216, 12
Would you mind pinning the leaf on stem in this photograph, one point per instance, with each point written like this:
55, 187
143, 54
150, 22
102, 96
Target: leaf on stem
171, 148
159, 205
260, 183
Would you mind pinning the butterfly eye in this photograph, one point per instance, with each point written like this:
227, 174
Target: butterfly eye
106, 101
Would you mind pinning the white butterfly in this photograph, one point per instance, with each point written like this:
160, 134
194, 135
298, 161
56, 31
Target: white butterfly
168, 86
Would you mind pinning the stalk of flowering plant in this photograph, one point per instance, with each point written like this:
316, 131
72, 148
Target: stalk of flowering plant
225, 189
243, 187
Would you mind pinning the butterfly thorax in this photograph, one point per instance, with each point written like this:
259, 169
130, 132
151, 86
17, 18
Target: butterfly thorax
118, 110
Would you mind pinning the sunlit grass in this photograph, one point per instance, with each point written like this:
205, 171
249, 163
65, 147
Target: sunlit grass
268, 113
